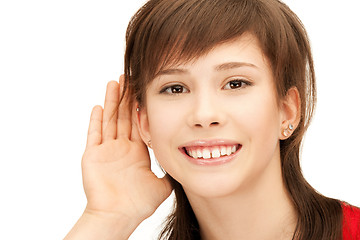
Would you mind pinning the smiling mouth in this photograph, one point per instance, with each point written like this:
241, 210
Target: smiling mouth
199, 152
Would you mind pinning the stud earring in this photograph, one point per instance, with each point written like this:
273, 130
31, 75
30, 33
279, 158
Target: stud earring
137, 109
286, 132
149, 144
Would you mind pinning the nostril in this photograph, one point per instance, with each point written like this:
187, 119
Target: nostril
211, 124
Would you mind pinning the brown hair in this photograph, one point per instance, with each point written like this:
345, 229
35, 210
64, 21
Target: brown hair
165, 32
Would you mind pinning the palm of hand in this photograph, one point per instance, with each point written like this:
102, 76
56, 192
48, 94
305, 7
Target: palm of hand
116, 165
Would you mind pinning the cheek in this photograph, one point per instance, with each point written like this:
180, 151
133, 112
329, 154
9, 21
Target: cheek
165, 124
259, 117
263, 121
258, 122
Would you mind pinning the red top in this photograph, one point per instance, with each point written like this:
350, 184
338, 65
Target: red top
351, 223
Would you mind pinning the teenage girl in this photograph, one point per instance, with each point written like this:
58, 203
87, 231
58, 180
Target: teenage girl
223, 92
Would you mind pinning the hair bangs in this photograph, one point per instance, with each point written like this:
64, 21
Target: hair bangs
187, 30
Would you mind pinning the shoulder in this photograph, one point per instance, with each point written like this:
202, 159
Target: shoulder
351, 222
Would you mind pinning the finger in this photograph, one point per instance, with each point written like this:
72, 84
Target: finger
124, 113
167, 181
94, 132
110, 111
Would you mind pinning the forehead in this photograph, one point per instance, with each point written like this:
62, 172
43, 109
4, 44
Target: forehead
243, 51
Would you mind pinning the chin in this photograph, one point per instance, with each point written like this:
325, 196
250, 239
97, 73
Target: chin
211, 186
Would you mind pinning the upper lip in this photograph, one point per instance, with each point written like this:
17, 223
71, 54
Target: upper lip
209, 143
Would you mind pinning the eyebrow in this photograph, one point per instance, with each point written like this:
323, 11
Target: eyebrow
218, 68
172, 71
231, 65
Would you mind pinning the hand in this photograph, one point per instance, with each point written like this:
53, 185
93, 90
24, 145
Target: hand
116, 165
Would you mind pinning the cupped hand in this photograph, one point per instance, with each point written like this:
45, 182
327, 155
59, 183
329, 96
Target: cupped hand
116, 165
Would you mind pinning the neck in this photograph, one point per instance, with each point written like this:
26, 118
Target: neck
262, 210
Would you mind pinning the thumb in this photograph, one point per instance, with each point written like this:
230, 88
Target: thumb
168, 181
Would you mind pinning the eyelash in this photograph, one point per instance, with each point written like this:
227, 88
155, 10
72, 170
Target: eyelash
243, 83
165, 89
169, 89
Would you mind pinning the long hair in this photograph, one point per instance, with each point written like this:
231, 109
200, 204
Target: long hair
165, 32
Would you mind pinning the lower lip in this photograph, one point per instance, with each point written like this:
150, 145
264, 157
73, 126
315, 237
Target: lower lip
212, 161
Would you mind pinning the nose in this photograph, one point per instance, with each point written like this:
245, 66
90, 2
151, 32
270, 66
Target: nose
206, 111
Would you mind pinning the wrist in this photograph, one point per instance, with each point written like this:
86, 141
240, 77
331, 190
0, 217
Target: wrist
102, 225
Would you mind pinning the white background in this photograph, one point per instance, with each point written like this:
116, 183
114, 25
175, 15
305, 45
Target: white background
55, 60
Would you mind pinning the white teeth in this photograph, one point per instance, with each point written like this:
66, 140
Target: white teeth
228, 150
223, 150
199, 153
194, 154
233, 149
190, 153
206, 153
215, 153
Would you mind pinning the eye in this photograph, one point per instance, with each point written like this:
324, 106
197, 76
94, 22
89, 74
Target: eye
234, 84
174, 89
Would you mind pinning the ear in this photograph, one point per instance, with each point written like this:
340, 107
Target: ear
290, 113
142, 123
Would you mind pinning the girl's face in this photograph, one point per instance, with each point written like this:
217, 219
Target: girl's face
215, 123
